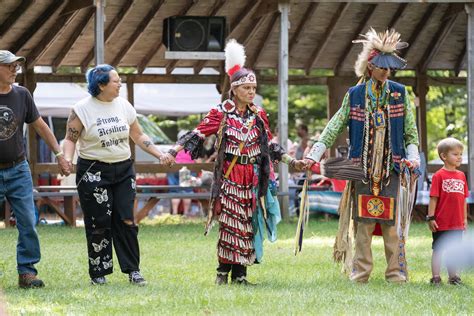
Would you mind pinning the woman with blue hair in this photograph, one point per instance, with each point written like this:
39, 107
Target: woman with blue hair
102, 124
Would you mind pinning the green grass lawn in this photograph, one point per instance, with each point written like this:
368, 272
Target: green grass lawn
179, 264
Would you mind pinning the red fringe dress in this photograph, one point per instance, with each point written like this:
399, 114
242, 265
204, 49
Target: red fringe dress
237, 200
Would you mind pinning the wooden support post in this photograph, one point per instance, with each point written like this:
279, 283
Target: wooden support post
470, 90
99, 31
421, 90
337, 89
131, 99
284, 8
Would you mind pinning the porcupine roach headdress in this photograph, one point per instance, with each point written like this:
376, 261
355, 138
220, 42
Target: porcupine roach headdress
234, 61
380, 49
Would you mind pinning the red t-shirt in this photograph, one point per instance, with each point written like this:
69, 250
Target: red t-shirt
451, 189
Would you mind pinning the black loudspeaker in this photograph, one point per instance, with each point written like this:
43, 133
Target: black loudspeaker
195, 33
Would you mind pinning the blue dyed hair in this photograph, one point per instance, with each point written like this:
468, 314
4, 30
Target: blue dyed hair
99, 75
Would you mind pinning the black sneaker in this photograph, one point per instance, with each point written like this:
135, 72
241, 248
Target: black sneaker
29, 281
221, 279
242, 281
99, 280
136, 278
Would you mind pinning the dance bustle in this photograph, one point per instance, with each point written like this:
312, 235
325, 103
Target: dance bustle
342, 169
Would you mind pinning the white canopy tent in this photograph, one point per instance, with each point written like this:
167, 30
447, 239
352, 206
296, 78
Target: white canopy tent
57, 99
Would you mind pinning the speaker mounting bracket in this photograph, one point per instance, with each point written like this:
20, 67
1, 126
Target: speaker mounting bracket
194, 55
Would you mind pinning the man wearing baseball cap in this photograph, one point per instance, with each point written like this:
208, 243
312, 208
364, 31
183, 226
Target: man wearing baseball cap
17, 108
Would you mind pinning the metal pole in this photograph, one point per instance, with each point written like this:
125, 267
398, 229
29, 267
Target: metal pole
283, 7
99, 31
470, 91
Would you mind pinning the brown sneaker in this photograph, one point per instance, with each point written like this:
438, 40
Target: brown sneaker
436, 281
29, 280
455, 280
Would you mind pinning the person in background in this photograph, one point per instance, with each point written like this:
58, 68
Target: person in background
173, 179
447, 211
302, 131
16, 184
102, 124
291, 147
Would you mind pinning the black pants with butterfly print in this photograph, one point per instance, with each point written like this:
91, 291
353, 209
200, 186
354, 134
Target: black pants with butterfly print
107, 193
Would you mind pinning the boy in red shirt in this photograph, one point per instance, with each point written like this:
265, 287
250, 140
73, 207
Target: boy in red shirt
447, 211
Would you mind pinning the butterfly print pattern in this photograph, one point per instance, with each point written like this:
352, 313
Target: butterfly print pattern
101, 197
102, 245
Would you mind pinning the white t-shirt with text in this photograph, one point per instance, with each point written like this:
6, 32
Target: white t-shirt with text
106, 129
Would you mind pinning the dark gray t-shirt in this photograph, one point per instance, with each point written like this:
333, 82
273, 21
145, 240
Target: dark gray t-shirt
16, 108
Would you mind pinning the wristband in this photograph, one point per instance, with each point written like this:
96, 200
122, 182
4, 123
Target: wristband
430, 218
60, 153
173, 152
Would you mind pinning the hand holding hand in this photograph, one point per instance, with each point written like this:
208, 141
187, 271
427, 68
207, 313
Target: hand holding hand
65, 167
167, 159
299, 165
308, 163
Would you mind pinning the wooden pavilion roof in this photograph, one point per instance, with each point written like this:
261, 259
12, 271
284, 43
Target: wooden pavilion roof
56, 33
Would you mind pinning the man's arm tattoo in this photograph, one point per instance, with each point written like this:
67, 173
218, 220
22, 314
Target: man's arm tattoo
72, 134
147, 143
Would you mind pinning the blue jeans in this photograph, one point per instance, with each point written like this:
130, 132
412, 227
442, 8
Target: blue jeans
17, 186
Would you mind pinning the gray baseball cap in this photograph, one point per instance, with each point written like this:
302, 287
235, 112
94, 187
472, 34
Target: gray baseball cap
7, 57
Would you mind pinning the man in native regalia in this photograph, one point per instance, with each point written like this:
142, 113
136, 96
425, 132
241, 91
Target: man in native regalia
243, 191
382, 134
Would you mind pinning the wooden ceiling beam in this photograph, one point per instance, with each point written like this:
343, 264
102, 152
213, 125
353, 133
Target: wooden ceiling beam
460, 60
303, 22
261, 45
216, 7
359, 30
73, 38
446, 25
316, 54
14, 16
63, 21
198, 66
137, 33
201, 63
398, 14
148, 56
108, 32
172, 64
36, 26
217, 79
242, 15
419, 28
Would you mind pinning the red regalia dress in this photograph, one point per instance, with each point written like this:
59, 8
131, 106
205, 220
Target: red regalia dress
236, 196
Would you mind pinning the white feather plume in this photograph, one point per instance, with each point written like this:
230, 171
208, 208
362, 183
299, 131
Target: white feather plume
387, 42
234, 55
